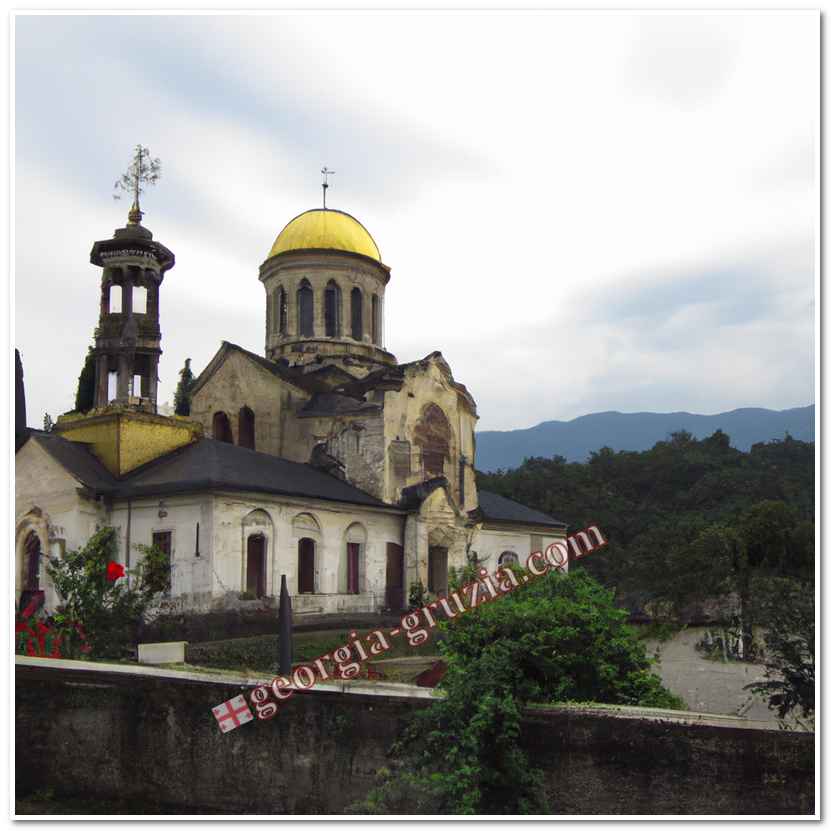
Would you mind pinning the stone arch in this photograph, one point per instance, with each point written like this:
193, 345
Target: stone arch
352, 563
246, 428
434, 436
508, 558
306, 530
221, 427
31, 551
258, 547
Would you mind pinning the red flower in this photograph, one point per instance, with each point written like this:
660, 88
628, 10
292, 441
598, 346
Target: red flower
114, 571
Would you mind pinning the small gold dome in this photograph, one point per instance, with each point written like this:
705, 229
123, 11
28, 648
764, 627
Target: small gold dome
325, 228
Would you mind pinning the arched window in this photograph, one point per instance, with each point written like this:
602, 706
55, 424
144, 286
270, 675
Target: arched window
353, 572
280, 313
376, 320
246, 428
332, 306
357, 314
432, 435
305, 310
32, 553
507, 558
222, 428
139, 300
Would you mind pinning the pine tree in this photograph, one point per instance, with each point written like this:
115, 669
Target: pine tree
48, 424
181, 398
85, 394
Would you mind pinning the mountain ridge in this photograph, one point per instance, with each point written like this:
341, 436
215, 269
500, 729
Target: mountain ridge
577, 438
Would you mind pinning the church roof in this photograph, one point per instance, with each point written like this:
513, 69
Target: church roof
326, 229
498, 508
206, 464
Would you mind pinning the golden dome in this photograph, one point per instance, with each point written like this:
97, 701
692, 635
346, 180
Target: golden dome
325, 228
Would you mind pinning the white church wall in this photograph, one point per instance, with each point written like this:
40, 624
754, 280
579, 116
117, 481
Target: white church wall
490, 543
190, 574
47, 502
325, 523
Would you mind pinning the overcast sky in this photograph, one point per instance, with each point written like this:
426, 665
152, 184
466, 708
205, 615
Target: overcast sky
581, 212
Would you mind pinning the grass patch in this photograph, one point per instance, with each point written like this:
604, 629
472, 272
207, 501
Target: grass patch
261, 652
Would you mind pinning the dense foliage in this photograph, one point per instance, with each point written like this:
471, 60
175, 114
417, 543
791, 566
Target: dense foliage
655, 505
181, 398
85, 392
97, 595
557, 639
789, 651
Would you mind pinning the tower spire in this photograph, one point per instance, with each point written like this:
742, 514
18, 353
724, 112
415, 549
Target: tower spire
326, 173
144, 170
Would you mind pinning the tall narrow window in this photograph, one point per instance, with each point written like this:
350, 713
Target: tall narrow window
280, 310
222, 428
305, 310
332, 309
357, 314
197, 540
376, 320
246, 428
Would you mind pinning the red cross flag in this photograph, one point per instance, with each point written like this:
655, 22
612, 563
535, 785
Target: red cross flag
231, 714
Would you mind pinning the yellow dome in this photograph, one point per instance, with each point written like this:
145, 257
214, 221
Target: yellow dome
325, 228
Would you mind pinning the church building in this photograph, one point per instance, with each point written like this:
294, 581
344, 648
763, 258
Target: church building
323, 458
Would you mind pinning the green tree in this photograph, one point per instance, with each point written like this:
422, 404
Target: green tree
559, 638
85, 392
789, 650
181, 398
48, 424
96, 593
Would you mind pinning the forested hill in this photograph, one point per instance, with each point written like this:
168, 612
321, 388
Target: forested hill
656, 505
575, 439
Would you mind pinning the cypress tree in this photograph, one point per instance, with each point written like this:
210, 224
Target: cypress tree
85, 394
181, 398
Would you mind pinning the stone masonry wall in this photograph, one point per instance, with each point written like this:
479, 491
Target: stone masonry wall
107, 733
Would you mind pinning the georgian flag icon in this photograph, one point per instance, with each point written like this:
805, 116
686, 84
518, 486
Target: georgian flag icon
231, 714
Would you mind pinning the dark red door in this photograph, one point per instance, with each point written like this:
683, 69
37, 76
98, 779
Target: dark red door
306, 566
353, 552
395, 576
255, 582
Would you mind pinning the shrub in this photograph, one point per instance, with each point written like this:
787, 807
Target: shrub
96, 595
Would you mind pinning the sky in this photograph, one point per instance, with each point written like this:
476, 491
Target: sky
582, 212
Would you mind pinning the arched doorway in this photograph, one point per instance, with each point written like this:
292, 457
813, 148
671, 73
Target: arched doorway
433, 435
222, 428
246, 428
255, 566
437, 570
32, 553
306, 566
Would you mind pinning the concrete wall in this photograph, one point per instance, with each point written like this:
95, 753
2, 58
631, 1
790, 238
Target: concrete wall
150, 734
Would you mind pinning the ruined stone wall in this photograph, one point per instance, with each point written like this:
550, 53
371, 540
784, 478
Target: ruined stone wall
119, 733
238, 383
425, 385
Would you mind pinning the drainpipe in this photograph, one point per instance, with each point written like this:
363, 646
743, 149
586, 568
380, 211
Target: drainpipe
129, 516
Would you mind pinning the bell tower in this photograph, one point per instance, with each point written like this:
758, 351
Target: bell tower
128, 337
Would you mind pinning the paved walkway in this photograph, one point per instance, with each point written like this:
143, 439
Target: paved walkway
709, 686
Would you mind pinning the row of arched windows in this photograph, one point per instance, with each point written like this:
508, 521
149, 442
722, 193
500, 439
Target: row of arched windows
221, 428
333, 319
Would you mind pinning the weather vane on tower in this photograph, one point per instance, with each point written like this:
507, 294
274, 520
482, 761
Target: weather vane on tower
143, 170
326, 173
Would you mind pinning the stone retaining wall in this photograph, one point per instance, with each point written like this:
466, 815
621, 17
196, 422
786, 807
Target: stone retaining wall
140, 733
